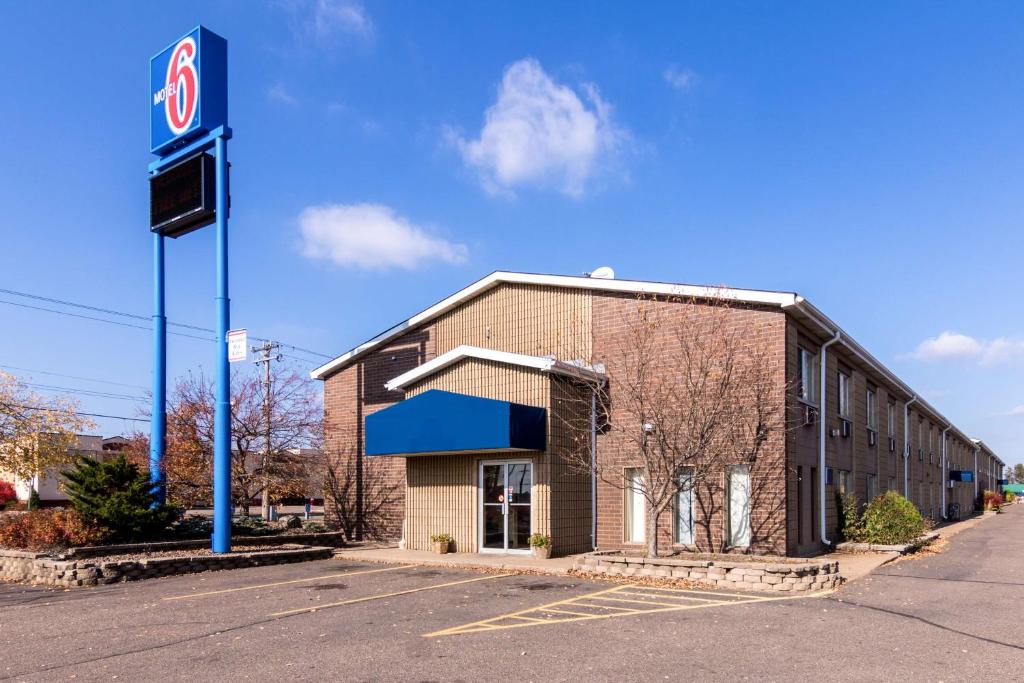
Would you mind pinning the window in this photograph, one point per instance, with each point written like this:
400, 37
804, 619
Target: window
806, 374
872, 417
684, 509
635, 505
931, 448
872, 487
892, 484
843, 482
844, 395
738, 518
920, 440
891, 419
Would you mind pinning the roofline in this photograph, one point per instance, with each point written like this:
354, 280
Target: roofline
788, 301
541, 363
571, 281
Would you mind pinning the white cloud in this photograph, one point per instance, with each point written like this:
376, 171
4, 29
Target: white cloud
542, 133
953, 345
278, 93
1017, 411
330, 17
680, 79
371, 236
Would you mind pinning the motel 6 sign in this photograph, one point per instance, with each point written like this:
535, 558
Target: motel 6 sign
188, 90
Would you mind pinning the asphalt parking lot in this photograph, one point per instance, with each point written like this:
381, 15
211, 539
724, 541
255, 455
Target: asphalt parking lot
939, 617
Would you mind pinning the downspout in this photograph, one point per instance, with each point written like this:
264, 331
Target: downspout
906, 446
944, 476
822, 403
976, 473
593, 469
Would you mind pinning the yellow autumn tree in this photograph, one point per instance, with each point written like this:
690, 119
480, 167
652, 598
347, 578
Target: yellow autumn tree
36, 433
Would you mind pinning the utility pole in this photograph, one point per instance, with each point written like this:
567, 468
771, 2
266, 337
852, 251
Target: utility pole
266, 348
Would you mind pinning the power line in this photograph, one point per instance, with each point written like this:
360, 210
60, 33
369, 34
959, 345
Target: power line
86, 392
133, 316
111, 417
83, 379
101, 320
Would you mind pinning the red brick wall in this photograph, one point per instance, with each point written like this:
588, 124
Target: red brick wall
759, 327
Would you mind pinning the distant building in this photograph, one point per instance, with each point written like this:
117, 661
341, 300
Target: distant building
50, 485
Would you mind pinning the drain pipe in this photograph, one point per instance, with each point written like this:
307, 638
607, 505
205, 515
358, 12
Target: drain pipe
822, 403
593, 469
906, 446
976, 449
944, 482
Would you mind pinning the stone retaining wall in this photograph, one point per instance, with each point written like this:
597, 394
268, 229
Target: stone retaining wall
41, 569
330, 538
783, 574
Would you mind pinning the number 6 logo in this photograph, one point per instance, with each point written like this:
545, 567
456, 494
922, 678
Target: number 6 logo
182, 87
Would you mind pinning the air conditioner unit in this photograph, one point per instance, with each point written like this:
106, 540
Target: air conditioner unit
810, 415
892, 445
844, 428
872, 437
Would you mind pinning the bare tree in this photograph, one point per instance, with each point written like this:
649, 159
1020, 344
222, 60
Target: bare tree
686, 394
295, 422
358, 498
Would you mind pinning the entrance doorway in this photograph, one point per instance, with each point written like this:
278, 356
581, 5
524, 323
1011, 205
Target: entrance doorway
506, 488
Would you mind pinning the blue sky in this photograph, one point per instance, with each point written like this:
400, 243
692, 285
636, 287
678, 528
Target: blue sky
387, 154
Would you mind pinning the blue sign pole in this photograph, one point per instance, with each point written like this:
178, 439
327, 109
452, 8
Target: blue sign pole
158, 418
222, 408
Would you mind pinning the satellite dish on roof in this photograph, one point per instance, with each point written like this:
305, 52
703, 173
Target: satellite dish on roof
603, 273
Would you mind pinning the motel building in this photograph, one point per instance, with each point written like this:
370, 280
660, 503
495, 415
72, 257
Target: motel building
455, 421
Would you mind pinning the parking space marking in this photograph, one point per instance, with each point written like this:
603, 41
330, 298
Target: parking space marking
381, 596
285, 583
579, 608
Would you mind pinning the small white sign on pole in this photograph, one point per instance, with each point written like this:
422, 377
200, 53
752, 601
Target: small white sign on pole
238, 346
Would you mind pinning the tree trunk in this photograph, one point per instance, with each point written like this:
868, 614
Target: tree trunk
652, 529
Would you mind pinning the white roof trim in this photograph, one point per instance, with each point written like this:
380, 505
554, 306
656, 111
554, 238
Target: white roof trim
542, 363
569, 281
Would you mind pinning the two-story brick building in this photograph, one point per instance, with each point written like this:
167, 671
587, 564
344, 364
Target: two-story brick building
458, 406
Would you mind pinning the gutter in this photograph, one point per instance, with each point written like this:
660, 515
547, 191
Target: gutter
906, 446
822, 404
945, 483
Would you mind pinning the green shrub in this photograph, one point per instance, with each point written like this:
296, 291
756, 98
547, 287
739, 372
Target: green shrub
441, 538
539, 540
116, 495
49, 529
891, 519
1009, 496
851, 527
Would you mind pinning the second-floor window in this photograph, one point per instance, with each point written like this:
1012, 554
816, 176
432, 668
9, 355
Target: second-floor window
872, 417
891, 419
844, 395
806, 375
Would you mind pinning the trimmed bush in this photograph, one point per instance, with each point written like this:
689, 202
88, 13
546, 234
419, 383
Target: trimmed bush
851, 527
116, 495
993, 500
891, 519
1009, 497
48, 530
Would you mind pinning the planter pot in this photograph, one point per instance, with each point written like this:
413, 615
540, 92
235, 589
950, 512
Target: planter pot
542, 552
441, 547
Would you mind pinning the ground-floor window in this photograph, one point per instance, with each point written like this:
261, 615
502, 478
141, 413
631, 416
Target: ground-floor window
635, 507
843, 482
872, 487
892, 484
738, 517
684, 509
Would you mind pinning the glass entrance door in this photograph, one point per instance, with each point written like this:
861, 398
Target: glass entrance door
505, 500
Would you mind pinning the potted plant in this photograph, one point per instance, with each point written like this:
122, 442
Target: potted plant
441, 543
540, 544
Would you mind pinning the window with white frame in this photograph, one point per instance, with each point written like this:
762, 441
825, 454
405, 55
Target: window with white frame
684, 509
891, 419
806, 374
843, 482
844, 395
871, 409
635, 505
738, 516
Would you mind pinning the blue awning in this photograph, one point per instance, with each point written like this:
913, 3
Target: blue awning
961, 475
445, 422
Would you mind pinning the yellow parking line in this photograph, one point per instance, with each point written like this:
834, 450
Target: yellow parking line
641, 602
718, 594
673, 597
556, 610
618, 609
386, 595
285, 583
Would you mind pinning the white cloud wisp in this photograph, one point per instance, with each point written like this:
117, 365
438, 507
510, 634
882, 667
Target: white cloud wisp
371, 237
953, 345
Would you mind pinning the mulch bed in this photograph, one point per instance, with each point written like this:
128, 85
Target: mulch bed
195, 552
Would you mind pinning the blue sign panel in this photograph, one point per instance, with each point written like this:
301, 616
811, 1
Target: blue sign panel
188, 89
961, 475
